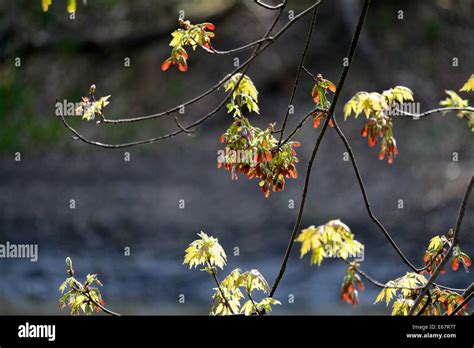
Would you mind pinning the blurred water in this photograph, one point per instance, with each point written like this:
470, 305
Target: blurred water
137, 285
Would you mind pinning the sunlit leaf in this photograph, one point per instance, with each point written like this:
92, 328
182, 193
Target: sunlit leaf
469, 85
205, 251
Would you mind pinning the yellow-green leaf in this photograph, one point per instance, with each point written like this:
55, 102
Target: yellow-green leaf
71, 6
469, 85
45, 4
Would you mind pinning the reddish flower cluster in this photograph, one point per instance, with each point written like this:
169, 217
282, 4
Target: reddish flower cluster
179, 57
254, 152
188, 35
436, 251
351, 283
318, 93
433, 263
370, 130
318, 116
389, 148
460, 257
381, 127
449, 300
274, 168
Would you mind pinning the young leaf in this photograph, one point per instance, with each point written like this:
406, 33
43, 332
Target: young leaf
469, 85
205, 251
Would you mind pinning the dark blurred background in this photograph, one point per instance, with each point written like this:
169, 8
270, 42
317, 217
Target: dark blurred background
135, 204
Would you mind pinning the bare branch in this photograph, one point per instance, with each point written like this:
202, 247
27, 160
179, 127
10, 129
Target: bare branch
102, 308
298, 72
366, 198
270, 7
187, 131
376, 282
431, 112
203, 119
340, 85
220, 290
447, 255
301, 123
309, 74
260, 48
264, 43
253, 303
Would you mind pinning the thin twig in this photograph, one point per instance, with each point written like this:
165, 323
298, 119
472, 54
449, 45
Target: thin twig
79, 136
244, 47
364, 192
366, 198
270, 7
253, 303
298, 72
429, 112
265, 42
258, 51
448, 288
187, 131
300, 124
104, 309
220, 290
80, 288
376, 282
340, 84
447, 255
309, 74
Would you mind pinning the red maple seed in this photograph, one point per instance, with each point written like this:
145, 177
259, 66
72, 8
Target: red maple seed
183, 66
455, 264
166, 64
372, 141
209, 26
316, 122
365, 131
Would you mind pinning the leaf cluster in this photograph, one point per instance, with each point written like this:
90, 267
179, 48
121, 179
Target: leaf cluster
192, 35
333, 239
79, 296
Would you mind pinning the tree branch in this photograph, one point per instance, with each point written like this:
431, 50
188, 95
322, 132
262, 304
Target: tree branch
438, 269
300, 124
430, 112
340, 84
298, 73
266, 41
366, 198
253, 303
187, 131
86, 291
261, 47
220, 289
270, 7
102, 308
376, 282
